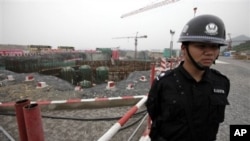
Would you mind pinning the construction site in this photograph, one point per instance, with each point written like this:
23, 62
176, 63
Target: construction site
94, 87
112, 110
94, 82
66, 94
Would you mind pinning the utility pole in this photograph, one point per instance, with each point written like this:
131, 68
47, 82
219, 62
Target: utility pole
171, 42
195, 9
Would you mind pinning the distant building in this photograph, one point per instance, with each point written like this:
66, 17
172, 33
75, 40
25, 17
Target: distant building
39, 48
156, 54
12, 50
164, 53
11, 46
66, 48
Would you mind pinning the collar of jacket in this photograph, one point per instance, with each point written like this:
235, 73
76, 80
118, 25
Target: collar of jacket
206, 76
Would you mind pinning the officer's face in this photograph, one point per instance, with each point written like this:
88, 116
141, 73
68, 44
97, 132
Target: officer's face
204, 53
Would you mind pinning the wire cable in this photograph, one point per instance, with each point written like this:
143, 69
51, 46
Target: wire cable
77, 119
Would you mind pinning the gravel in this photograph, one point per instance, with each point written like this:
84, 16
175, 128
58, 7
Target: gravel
237, 112
59, 89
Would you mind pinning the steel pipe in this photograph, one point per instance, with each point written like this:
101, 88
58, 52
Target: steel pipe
33, 122
20, 118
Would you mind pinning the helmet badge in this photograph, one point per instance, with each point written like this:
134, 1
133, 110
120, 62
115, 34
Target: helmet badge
211, 29
185, 29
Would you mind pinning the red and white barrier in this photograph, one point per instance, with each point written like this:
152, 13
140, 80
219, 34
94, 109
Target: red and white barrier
69, 101
163, 63
6, 134
115, 128
145, 136
171, 64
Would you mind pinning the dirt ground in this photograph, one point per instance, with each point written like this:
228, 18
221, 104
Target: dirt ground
57, 89
58, 130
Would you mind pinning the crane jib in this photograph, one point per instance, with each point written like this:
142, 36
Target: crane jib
148, 7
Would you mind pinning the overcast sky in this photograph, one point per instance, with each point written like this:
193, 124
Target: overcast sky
87, 24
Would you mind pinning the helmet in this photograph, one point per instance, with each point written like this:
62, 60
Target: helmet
204, 28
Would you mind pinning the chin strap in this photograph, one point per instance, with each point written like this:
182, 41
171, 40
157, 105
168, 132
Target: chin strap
216, 59
197, 65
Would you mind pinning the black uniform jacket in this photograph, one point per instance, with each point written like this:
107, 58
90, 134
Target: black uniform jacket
183, 109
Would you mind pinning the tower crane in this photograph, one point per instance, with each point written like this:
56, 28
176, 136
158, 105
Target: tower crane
148, 7
134, 37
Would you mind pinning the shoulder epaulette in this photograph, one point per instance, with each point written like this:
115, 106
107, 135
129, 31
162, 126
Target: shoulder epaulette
163, 74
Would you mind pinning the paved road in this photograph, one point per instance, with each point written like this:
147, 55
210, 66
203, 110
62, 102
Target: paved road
238, 112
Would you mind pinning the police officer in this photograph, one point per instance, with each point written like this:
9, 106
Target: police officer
188, 103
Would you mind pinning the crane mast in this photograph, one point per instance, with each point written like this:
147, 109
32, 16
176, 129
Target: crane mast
229, 42
136, 40
148, 7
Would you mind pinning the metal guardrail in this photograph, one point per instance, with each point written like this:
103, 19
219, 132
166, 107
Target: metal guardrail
6, 134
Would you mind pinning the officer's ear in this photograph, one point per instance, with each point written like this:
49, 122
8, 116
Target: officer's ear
183, 49
184, 45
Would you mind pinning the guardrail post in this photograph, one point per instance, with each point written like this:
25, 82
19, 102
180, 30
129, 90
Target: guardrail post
115, 128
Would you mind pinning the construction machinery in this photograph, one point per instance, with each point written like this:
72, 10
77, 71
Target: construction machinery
134, 37
149, 7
